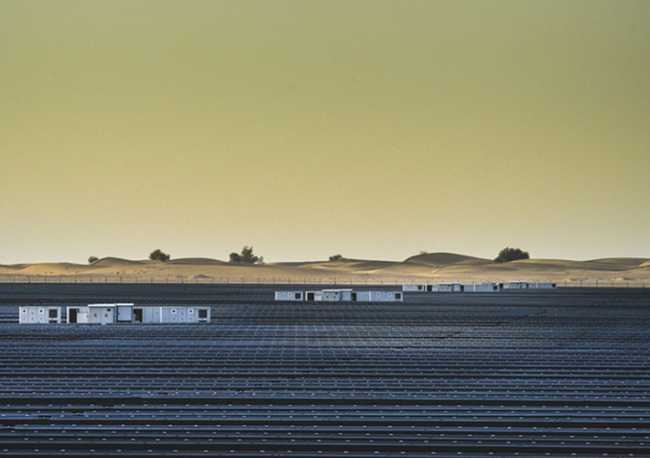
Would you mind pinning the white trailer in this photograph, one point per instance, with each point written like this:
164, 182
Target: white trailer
480, 287
146, 315
77, 314
124, 313
39, 314
486, 287
171, 315
129, 313
361, 296
184, 315
543, 285
414, 288
314, 296
386, 296
516, 285
102, 313
331, 295
450, 287
346, 295
289, 296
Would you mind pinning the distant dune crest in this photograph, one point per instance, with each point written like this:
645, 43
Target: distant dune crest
421, 267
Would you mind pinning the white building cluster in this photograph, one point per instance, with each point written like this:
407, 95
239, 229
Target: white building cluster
114, 314
339, 295
474, 287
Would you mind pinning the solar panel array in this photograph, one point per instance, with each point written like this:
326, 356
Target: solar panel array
552, 373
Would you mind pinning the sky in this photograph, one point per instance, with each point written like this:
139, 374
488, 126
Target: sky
375, 129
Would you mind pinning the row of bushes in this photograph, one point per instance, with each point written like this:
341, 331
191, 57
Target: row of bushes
247, 257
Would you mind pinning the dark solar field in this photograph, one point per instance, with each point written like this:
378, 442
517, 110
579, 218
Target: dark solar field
547, 373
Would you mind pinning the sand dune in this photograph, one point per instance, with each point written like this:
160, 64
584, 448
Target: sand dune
197, 261
444, 260
422, 267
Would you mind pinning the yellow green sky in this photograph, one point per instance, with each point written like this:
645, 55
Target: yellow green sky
374, 129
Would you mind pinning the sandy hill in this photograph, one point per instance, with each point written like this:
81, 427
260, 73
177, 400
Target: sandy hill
437, 260
197, 261
422, 267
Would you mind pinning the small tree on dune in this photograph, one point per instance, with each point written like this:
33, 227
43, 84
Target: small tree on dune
158, 255
511, 254
246, 256
336, 257
92, 259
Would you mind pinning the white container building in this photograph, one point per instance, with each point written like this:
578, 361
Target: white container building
289, 296
516, 285
331, 295
361, 296
480, 287
314, 296
386, 296
346, 295
184, 315
39, 314
129, 313
486, 287
450, 287
546, 285
414, 288
102, 313
340, 295
124, 313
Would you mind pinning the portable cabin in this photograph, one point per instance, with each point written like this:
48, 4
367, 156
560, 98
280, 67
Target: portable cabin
173, 315
124, 313
77, 314
413, 288
361, 296
314, 296
146, 315
39, 314
102, 313
386, 296
184, 314
486, 287
546, 285
289, 296
450, 287
516, 285
331, 295
346, 295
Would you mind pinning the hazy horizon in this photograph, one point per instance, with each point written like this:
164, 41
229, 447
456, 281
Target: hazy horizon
373, 129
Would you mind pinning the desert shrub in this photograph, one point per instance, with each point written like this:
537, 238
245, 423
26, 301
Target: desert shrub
336, 257
92, 259
511, 254
158, 255
246, 256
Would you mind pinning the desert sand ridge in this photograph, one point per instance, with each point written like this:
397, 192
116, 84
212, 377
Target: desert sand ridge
423, 267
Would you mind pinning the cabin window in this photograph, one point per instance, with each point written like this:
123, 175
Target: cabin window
298, 296
203, 313
53, 313
398, 295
